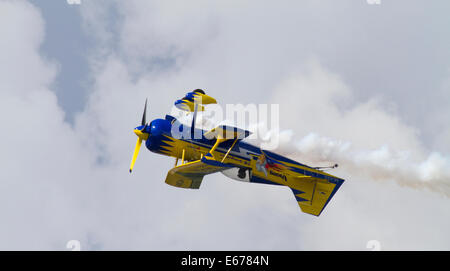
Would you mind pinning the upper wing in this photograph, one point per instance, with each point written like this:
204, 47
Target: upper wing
190, 175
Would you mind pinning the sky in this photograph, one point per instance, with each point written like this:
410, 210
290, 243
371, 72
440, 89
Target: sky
364, 85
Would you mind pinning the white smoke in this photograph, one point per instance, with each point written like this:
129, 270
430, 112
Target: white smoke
381, 164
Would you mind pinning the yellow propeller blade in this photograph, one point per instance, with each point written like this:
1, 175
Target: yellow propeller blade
135, 153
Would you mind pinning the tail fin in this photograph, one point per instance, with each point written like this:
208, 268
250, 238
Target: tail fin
198, 96
313, 194
313, 189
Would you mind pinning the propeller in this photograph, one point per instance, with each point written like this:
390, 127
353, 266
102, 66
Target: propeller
141, 134
143, 122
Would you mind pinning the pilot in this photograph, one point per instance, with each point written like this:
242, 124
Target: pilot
261, 164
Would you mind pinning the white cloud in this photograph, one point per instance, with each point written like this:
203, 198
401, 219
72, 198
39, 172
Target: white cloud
41, 155
366, 139
20, 44
313, 99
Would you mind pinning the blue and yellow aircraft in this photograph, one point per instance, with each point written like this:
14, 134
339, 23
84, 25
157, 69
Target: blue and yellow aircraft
222, 149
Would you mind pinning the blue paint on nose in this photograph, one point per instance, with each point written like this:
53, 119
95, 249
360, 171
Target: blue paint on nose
158, 128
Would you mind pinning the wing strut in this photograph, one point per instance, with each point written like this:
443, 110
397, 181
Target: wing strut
182, 157
218, 141
223, 159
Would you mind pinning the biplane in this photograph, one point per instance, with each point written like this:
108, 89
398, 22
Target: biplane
198, 153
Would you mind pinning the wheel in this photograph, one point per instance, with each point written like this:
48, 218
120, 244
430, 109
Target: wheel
241, 173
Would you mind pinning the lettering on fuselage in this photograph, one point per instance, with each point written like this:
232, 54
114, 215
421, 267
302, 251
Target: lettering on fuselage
282, 176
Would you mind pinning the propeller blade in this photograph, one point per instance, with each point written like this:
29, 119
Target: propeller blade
145, 114
135, 153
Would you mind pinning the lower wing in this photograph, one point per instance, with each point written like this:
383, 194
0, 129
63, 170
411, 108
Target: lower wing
190, 175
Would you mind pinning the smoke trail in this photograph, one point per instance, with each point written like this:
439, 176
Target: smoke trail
382, 164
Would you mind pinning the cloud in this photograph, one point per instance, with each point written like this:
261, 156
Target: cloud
43, 160
363, 137
312, 99
22, 46
370, 144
